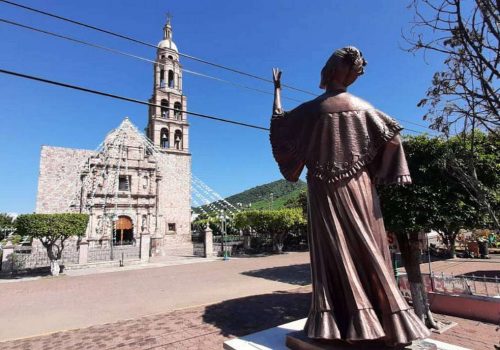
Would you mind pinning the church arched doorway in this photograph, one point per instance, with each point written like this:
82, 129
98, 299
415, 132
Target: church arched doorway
124, 231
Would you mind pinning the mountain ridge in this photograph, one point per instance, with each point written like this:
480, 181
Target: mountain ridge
272, 195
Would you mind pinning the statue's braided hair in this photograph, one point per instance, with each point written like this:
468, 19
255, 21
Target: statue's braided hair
348, 54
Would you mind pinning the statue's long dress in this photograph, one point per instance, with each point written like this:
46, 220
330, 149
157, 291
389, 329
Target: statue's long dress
348, 147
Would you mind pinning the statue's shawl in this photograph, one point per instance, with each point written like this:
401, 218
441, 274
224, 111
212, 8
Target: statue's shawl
335, 137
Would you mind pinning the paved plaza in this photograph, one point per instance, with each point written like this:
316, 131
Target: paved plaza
189, 306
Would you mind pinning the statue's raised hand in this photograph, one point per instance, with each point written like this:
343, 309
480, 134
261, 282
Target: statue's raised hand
277, 78
277, 92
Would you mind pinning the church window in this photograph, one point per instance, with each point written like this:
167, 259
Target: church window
164, 108
124, 183
164, 141
171, 226
170, 78
177, 110
170, 57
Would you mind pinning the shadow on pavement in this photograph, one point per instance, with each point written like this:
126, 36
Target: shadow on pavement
483, 273
19, 275
293, 274
239, 317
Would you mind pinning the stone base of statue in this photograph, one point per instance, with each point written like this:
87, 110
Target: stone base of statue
291, 336
299, 341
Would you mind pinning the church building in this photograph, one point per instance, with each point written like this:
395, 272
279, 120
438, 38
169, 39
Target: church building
133, 184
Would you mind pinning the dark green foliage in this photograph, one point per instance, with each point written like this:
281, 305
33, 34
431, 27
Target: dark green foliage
6, 220
278, 223
436, 200
52, 229
52, 225
278, 188
298, 201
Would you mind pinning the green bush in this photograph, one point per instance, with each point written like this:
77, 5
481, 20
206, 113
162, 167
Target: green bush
52, 229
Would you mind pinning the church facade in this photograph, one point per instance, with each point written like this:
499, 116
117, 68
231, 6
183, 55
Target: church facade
133, 184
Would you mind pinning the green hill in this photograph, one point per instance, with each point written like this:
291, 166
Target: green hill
271, 195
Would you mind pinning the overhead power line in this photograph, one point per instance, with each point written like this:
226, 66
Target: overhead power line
128, 99
127, 54
133, 100
119, 52
141, 42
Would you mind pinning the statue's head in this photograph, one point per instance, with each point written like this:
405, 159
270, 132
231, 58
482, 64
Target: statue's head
343, 67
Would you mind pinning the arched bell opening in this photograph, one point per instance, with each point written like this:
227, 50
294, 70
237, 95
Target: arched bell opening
177, 110
171, 79
178, 139
164, 108
164, 138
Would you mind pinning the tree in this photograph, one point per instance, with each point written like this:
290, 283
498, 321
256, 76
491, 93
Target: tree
473, 161
6, 220
7, 223
434, 201
466, 35
464, 95
299, 201
52, 230
278, 223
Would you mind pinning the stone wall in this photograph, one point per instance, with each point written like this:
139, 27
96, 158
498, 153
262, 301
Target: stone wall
174, 202
59, 179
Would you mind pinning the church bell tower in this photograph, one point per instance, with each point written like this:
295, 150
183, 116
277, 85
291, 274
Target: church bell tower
168, 127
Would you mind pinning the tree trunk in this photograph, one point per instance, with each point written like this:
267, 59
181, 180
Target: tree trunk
54, 261
54, 267
451, 240
279, 242
410, 252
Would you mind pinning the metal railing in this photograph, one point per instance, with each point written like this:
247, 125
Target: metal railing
451, 284
228, 239
467, 284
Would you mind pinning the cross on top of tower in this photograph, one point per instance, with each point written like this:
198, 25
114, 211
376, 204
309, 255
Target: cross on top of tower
169, 19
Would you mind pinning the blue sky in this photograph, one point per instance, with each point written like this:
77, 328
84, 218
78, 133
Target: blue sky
254, 36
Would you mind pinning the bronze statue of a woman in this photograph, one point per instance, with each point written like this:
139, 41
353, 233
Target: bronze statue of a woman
348, 147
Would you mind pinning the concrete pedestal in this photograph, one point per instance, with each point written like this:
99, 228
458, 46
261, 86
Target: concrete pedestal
208, 242
83, 252
145, 246
299, 341
7, 257
290, 336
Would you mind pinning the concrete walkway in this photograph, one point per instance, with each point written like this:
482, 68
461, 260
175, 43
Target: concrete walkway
207, 327
195, 305
45, 305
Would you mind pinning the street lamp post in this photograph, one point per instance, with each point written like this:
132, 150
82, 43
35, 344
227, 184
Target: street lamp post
223, 223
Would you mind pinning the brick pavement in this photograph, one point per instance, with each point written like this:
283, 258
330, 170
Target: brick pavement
207, 327
204, 327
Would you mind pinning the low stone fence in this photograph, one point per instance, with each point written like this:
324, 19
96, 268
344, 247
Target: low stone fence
16, 259
232, 248
207, 245
125, 252
26, 259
